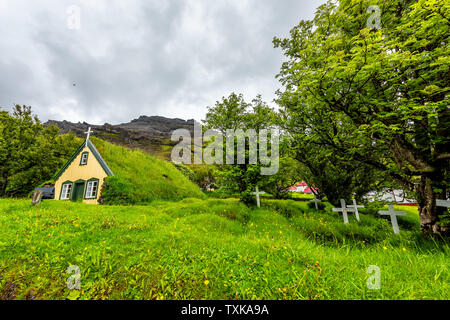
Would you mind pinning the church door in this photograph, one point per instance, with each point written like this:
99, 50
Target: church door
78, 191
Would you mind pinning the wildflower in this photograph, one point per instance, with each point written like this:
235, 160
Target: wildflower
318, 265
384, 248
404, 249
206, 282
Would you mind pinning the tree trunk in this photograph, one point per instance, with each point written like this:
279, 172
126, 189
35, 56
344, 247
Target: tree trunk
428, 211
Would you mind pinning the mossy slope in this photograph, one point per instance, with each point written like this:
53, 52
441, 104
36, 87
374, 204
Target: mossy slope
141, 178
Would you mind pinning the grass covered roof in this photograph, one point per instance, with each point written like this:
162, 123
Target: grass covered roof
141, 178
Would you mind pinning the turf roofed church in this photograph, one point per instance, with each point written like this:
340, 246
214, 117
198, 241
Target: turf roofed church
81, 178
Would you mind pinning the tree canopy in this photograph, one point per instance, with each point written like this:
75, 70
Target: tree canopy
377, 96
29, 153
234, 113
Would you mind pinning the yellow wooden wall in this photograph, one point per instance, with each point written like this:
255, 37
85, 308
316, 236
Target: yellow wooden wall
75, 172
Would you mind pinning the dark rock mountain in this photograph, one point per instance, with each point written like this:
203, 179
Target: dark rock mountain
151, 134
158, 126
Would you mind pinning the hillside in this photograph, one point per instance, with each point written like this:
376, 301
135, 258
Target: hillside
141, 178
151, 134
213, 249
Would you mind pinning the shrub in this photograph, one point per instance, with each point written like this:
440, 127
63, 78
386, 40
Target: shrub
320, 205
248, 198
188, 173
117, 191
287, 208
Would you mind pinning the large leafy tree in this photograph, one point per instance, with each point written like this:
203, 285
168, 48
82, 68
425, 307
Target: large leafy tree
335, 175
29, 153
289, 173
387, 87
234, 113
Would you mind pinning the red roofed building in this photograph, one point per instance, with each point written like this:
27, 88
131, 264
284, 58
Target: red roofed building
301, 187
310, 190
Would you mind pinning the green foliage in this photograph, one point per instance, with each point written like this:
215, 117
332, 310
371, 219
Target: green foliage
378, 98
287, 208
204, 175
301, 196
213, 249
141, 178
289, 173
117, 191
29, 153
228, 114
187, 172
234, 113
320, 205
333, 176
221, 193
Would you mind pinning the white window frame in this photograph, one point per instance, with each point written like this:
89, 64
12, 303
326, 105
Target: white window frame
65, 191
90, 186
84, 159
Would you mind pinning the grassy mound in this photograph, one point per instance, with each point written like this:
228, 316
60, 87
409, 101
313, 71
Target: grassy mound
213, 249
141, 178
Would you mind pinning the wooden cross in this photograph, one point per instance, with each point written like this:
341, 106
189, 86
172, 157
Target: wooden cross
355, 206
443, 203
393, 215
344, 210
316, 201
88, 134
257, 193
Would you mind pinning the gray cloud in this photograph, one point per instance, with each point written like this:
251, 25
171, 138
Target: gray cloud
130, 58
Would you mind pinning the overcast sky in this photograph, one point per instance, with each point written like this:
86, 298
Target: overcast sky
128, 58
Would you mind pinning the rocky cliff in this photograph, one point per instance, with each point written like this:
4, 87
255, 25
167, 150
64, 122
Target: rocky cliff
151, 134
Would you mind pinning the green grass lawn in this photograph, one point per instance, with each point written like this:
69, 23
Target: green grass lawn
213, 249
298, 195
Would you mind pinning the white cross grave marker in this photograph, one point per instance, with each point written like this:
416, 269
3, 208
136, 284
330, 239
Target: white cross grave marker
344, 210
257, 193
443, 203
355, 206
393, 215
316, 202
88, 134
